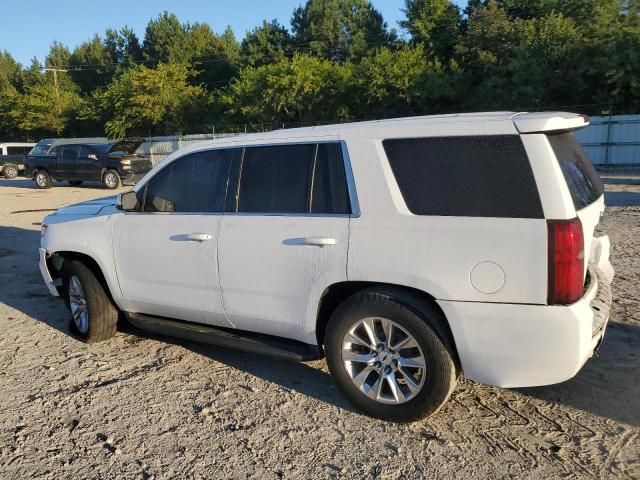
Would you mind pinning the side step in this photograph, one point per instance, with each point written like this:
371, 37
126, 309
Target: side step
227, 338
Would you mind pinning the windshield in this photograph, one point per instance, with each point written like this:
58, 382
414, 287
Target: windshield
41, 148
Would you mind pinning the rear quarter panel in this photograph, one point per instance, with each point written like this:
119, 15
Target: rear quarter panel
437, 254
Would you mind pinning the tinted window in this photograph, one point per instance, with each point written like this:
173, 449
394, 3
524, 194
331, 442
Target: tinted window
329, 190
194, 183
17, 150
479, 176
69, 153
582, 179
276, 179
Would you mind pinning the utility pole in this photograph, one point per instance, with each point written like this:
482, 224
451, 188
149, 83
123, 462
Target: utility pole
55, 81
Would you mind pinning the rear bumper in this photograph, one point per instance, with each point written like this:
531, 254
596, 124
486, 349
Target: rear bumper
46, 275
510, 345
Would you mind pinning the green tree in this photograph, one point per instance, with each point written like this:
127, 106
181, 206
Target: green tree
267, 43
10, 82
209, 55
435, 23
339, 29
44, 109
92, 64
403, 83
165, 40
123, 46
161, 99
304, 89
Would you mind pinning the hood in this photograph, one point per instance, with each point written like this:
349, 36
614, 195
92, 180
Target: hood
91, 207
128, 146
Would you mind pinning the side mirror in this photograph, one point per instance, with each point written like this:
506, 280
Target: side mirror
127, 202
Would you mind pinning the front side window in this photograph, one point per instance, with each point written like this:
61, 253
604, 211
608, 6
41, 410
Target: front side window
194, 183
466, 176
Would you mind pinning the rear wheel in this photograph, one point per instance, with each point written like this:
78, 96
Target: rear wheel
43, 179
75, 183
384, 352
10, 170
111, 179
94, 316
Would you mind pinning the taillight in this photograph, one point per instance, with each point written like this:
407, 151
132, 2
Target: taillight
566, 261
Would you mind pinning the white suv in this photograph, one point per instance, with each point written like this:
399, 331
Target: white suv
407, 251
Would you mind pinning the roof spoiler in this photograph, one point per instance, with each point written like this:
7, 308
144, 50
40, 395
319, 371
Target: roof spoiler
548, 122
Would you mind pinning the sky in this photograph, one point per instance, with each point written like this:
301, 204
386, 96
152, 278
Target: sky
29, 26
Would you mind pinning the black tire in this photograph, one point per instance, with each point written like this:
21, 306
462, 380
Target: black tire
111, 179
42, 179
75, 183
427, 326
10, 170
102, 313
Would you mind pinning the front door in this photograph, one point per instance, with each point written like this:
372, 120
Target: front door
166, 254
287, 240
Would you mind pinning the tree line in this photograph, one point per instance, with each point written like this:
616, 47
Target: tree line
338, 60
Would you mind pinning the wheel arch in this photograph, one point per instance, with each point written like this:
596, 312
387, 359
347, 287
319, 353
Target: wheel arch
334, 295
57, 267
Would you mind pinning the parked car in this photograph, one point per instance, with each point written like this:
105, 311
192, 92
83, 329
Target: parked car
12, 158
43, 151
111, 164
407, 251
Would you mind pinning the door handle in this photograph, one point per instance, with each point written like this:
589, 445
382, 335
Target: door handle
199, 237
313, 241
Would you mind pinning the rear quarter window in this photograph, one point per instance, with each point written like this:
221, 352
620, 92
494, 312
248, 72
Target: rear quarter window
582, 179
466, 176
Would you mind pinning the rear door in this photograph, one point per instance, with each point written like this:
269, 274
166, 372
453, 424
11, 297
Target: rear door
88, 165
66, 163
286, 237
166, 255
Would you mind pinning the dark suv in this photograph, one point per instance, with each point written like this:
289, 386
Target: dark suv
111, 164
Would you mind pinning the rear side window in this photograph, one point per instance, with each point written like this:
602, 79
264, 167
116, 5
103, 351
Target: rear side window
276, 179
329, 190
582, 179
196, 182
298, 178
471, 176
70, 153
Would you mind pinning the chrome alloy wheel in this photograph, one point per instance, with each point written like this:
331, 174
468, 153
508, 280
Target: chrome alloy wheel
41, 179
78, 305
383, 360
111, 180
10, 172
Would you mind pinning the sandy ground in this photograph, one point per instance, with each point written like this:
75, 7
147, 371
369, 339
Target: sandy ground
140, 408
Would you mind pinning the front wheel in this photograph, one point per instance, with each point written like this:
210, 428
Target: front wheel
43, 179
384, 352
111, 179
10, 170
94, 316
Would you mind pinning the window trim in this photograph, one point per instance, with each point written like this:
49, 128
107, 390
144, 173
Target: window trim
236, 164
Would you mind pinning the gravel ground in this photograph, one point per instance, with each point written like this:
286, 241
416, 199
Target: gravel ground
134, 407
